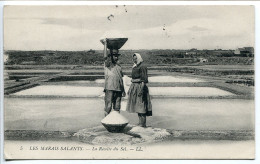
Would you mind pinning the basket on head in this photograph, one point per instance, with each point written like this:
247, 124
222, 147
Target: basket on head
115, 43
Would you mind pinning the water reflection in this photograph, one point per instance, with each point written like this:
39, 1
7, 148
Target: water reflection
78, 113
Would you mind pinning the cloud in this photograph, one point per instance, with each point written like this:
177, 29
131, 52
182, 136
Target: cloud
80, 27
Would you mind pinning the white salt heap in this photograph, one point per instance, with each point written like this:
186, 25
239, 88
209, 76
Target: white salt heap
114, 118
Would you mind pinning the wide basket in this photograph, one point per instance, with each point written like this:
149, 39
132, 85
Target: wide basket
115, 43
115, 128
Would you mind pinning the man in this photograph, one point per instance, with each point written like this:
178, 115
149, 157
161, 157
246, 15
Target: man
114, 87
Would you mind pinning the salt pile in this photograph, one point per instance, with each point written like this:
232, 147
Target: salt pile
114, 118
114, 122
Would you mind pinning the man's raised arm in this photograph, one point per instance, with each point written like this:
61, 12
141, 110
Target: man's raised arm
105, 48
107, 63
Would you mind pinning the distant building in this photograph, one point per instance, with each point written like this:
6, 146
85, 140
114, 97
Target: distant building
51, 53
250, 49
91, 51
28, 62
203, 60
194, 49
245, 51
6, 58
191, 53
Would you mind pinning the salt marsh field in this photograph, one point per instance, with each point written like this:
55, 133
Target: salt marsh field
54, 107
70, 100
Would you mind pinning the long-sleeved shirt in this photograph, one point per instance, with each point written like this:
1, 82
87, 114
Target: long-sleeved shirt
113, 76
140, 72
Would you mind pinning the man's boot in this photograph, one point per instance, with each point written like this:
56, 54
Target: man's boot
140, 120
143, 121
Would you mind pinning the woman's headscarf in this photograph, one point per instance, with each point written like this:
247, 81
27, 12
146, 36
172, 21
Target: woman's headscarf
139, 59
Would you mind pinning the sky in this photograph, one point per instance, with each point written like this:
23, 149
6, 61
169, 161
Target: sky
77, 28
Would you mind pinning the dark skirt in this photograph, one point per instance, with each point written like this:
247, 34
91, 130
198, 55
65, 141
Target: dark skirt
139, 104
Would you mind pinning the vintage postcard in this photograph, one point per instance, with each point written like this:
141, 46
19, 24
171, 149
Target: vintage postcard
129, 82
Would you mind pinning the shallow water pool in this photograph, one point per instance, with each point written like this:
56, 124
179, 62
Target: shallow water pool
152, 79
83, 91
177, 79
66, 114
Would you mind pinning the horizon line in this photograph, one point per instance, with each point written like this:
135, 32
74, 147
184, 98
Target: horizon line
136, 49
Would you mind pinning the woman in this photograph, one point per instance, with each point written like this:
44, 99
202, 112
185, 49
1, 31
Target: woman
138, 94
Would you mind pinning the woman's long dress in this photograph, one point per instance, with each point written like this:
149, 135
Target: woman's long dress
139, 104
